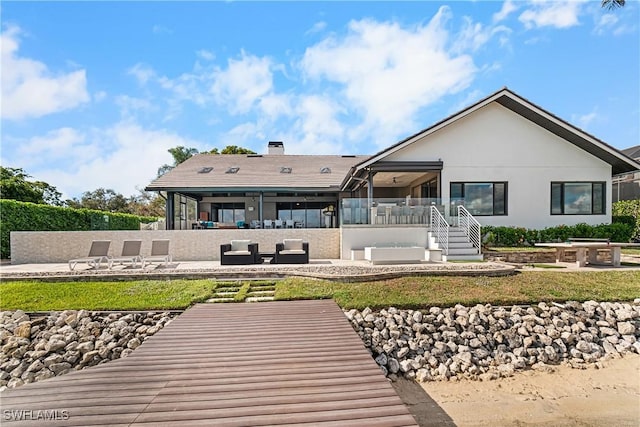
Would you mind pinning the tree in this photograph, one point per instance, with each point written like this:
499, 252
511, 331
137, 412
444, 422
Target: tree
232, 149
147, 203
612, 4
101, 200
14, 184
180, 154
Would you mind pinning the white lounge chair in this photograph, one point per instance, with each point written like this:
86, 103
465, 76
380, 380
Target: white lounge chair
159, 253
98, 252
130, 254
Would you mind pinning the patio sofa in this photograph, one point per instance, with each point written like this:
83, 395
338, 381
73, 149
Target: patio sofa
239, 252
292, 251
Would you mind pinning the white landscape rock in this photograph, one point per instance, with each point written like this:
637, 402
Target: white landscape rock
59, 342
486, 342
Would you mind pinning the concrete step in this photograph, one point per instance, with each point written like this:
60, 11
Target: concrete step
463, 251
258, 299
225, 294
213, 300
458, 239
261, 293
452, 257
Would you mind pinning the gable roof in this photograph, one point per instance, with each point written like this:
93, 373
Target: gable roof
256, 172
619, 162
633, 152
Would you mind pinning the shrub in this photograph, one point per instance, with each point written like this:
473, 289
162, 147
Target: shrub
24, 216
628, 208
517, 236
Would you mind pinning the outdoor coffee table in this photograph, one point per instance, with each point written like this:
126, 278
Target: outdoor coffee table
267, 255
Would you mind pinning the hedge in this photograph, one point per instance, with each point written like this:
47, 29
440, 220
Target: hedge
629, 209
24, 216
618, 231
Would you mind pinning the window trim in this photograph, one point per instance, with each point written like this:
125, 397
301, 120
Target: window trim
562, 194
493, 189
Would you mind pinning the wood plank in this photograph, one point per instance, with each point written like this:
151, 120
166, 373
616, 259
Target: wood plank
276, 363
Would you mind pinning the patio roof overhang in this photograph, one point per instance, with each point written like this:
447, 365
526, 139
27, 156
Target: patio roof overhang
358, 174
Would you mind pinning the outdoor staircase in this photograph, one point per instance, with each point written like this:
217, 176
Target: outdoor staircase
460, 247
454, 243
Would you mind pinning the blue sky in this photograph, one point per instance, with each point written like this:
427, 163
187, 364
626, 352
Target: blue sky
93, 94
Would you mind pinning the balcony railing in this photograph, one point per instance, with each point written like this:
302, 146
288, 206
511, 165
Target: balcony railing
387, 211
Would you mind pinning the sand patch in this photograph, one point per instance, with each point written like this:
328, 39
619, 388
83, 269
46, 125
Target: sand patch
567, 397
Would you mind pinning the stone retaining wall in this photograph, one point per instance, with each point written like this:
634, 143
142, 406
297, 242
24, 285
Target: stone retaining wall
186, 245
486, 342
37, 347
539, 257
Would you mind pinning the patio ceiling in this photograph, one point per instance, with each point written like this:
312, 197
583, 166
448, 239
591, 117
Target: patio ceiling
396, 179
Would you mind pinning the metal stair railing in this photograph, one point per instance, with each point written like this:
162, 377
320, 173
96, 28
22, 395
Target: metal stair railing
440, 227
470, 226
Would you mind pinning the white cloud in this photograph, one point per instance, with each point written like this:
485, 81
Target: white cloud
583, 121
161, 29
387, 73
243, 83
29, 89
474, 35
206, 55
130, 105
317, 27
557, 14
610, 23
142, 72
123, 157
507, 8
100, 96
60, 144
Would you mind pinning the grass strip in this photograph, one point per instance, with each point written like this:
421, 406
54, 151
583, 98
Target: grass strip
419, 292
408, 292
242, 293
135, 295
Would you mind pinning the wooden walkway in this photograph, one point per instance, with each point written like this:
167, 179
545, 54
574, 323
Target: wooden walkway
295, 363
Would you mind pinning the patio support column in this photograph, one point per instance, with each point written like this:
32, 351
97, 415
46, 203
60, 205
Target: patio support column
370, 195
170, 210
260, 208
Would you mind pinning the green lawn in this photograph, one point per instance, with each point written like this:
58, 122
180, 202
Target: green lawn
138, 295
407, 292
525, 287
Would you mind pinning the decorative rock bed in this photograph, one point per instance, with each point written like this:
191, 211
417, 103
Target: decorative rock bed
486, 342
39, 346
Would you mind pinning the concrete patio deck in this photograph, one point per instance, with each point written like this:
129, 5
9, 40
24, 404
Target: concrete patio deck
331, 269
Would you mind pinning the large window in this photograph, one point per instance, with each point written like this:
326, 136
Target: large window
480, 198
309, 214
227, 212
578, 198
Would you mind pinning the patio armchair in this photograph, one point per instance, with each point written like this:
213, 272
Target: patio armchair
292, 251
98, 252
239, 252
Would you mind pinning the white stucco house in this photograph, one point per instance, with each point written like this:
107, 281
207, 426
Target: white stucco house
503, 160
508, 161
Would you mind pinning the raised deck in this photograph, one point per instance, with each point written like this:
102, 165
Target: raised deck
277, 363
